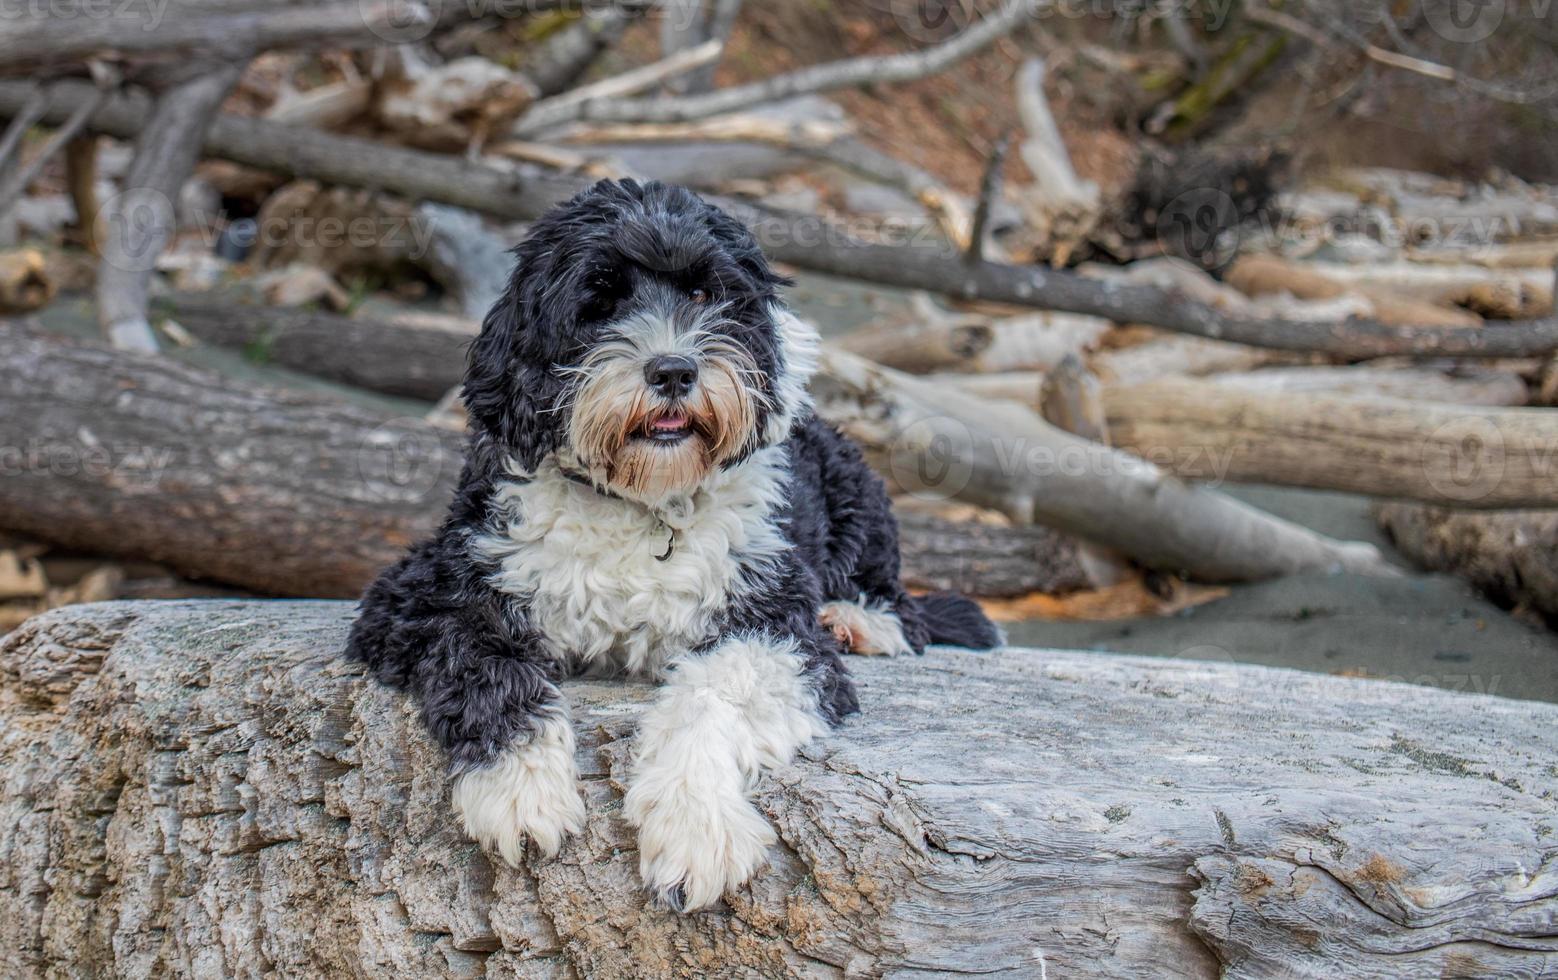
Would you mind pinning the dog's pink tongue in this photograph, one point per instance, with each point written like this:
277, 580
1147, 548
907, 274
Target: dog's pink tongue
670, 423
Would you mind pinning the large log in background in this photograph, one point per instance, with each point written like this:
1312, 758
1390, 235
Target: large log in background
286, 494
1460, 455
205, 789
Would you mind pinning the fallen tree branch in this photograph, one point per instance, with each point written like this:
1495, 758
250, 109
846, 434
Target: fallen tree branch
913, 840
1459, 455
354, 162
564, 107
815, 244
57, 33
849, 73
141, 220
945, 443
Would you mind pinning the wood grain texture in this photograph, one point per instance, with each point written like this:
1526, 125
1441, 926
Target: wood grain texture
1456, 455
206, 789
933, 440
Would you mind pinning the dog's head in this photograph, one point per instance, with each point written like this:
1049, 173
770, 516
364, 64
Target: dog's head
641, 341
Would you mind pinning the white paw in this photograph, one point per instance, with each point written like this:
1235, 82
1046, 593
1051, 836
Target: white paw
693, 845
530, 792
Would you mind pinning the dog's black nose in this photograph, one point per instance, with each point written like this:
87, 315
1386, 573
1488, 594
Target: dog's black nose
672, 375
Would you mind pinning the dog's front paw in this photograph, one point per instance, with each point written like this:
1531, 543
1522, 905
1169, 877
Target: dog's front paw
529, 792
692, 846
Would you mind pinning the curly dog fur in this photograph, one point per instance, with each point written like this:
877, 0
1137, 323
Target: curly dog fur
646, 491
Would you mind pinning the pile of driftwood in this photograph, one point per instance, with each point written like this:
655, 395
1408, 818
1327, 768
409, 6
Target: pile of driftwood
1053, 394
1079, 417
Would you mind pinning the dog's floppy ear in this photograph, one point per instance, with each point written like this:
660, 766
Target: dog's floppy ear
502, 391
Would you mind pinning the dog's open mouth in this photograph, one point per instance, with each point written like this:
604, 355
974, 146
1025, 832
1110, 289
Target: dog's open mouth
666, 429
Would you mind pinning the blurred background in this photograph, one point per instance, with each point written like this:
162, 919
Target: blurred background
1219, 330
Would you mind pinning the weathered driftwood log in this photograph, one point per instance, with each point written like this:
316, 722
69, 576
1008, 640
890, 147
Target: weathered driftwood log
1418, 451
934, 440
1450, 387
805, 240
1036, 473
140, 457
1458, 455
1510, 555
58, 33
205, 788
1454, 387
990, 562
416, 360
1262, 275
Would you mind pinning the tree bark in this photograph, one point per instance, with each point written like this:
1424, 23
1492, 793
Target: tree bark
136, 456
1510, 555
814, 243
207, 789
1457, 455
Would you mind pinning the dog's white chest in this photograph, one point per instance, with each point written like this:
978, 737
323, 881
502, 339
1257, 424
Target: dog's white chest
585, 565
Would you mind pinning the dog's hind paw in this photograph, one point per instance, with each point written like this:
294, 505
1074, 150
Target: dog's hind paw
864, 630
530, 792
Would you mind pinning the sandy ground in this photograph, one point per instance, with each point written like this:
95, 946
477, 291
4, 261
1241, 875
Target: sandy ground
1421, 629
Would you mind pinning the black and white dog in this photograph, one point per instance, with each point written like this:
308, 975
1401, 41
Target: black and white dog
646, 491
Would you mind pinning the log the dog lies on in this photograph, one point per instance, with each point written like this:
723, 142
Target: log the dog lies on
646, 492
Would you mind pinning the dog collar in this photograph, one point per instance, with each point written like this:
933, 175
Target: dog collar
670, 518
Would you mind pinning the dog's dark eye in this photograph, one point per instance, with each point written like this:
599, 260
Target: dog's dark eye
698, 295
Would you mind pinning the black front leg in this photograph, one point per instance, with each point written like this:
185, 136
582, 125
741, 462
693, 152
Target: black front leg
430, 625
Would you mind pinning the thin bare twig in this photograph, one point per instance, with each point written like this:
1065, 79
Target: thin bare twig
565, 108
989, 191
848, 73
14, 184
1319, 37
30, 113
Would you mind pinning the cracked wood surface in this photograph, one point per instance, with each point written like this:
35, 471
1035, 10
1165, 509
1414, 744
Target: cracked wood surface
204, 788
